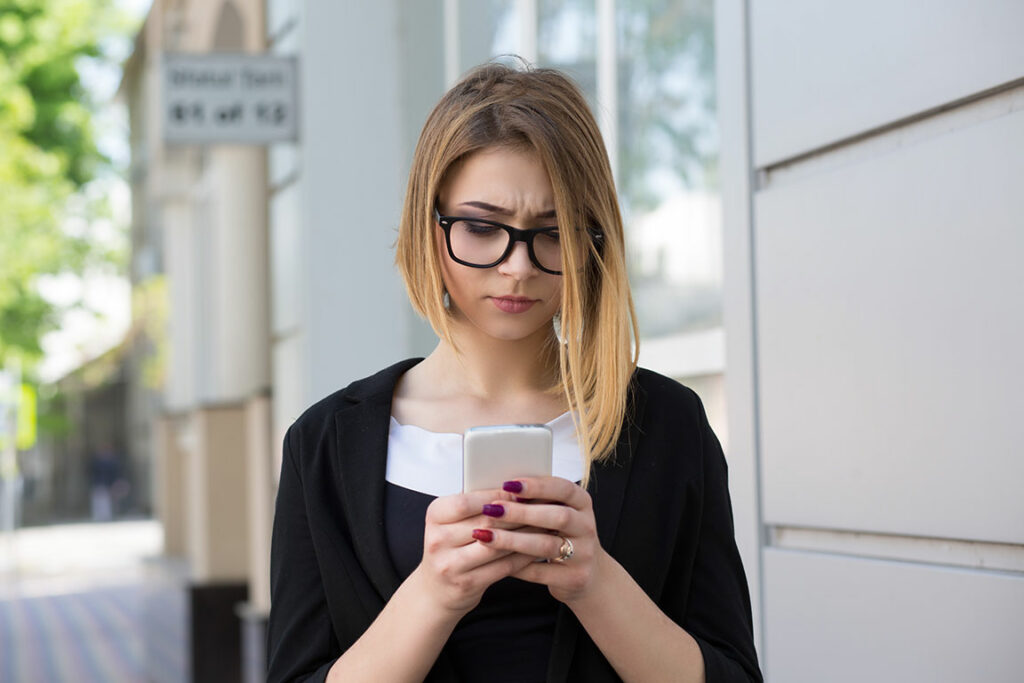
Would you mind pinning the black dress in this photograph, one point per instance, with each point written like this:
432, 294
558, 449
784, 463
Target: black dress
507, 637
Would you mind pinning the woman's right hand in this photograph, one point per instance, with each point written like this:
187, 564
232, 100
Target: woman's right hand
455, 567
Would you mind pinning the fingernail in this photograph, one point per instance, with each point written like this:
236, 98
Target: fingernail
494, 510
513, 486
485, 535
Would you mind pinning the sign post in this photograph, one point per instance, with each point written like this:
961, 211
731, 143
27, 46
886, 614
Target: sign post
10, 479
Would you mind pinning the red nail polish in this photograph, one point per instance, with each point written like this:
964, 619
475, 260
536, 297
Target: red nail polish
485, 535
513, 486
494, 510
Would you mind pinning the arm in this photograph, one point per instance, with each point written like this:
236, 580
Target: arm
709, 633
301, 645
717, 603
404, 640
638, 639
713, 640
635, 636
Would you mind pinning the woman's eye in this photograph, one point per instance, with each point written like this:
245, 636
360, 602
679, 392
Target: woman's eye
479, 228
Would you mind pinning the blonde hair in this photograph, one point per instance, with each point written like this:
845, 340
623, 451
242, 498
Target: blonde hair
541, 110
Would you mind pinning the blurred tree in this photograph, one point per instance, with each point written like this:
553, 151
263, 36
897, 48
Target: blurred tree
48, 154
667, 97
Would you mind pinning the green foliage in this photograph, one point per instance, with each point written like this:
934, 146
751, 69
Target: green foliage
667, 96
48, 155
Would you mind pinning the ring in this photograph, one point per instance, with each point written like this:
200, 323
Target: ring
565, 551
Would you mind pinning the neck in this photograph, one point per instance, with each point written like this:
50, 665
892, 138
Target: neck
494, 369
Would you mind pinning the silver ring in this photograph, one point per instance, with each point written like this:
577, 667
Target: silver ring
565, 552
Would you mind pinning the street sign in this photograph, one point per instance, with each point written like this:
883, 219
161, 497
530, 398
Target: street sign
229, 98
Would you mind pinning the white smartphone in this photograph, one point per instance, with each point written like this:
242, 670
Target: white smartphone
494, 455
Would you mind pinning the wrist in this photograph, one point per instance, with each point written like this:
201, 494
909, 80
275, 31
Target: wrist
430, 605
601, 589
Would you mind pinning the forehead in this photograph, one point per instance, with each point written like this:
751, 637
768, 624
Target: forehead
510, 178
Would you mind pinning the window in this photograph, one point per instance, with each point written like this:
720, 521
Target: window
647, 69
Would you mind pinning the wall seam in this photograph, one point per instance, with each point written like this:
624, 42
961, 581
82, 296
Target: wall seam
762, 533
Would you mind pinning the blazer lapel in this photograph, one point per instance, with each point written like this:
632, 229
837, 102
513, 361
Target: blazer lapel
607, 490
362, 448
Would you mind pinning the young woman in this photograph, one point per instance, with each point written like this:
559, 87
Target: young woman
382, 569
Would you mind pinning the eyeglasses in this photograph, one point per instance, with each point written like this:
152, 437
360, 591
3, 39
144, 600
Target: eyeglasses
480, 243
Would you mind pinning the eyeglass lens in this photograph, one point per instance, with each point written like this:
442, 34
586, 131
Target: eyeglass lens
483, 244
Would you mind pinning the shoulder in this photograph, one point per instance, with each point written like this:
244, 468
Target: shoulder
319, 417
663, 395
671, 425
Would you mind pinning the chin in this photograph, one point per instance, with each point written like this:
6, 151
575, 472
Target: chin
511, 330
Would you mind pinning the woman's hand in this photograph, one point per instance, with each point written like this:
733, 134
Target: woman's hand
455, 568
565, 510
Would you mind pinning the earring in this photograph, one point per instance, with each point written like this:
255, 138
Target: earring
446, 300
556, 323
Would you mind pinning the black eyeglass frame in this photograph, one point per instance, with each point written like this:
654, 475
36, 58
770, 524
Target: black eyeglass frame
514, 234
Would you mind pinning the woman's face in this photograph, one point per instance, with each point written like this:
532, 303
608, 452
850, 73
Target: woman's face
514, 299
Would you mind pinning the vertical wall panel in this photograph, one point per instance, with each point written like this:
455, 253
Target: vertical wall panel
890, 337
352, 190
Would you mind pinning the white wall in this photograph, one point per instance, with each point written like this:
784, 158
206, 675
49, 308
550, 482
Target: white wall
339, 309
872, 163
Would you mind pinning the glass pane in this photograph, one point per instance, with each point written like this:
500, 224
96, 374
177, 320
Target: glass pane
487, 28
567, 40
668, 160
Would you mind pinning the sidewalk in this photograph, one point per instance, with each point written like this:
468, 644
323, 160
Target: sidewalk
71, 602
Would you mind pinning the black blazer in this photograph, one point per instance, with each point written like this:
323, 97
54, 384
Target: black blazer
661, 505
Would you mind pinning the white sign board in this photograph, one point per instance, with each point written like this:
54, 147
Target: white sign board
229, 98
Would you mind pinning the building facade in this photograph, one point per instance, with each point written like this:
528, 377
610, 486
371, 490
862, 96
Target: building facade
855, 177
871, 172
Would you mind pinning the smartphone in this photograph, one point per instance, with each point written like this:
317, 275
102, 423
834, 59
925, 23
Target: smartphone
496, 454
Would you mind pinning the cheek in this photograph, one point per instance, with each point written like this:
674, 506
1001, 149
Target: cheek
556, 292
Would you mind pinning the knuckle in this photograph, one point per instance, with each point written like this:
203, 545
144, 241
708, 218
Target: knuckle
576, 582
563, 517
462, 507
463, 584
434, 509
432, 544
446, 571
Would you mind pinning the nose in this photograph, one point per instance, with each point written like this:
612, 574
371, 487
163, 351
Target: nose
517, 264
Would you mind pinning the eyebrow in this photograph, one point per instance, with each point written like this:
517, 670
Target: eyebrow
503, 211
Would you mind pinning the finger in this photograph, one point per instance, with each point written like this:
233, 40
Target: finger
549, 488
566, 520
448, 509
534, 545
440, 537
507, 565
538, 572
457, 561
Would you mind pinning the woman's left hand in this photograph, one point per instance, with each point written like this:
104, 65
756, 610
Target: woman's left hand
565, 511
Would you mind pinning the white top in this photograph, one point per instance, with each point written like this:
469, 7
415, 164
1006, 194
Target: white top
431, 462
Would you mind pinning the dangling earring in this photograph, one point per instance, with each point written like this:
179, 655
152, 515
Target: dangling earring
446, 300
556, 323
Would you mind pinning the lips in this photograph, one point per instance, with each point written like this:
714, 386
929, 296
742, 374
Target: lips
513, 304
